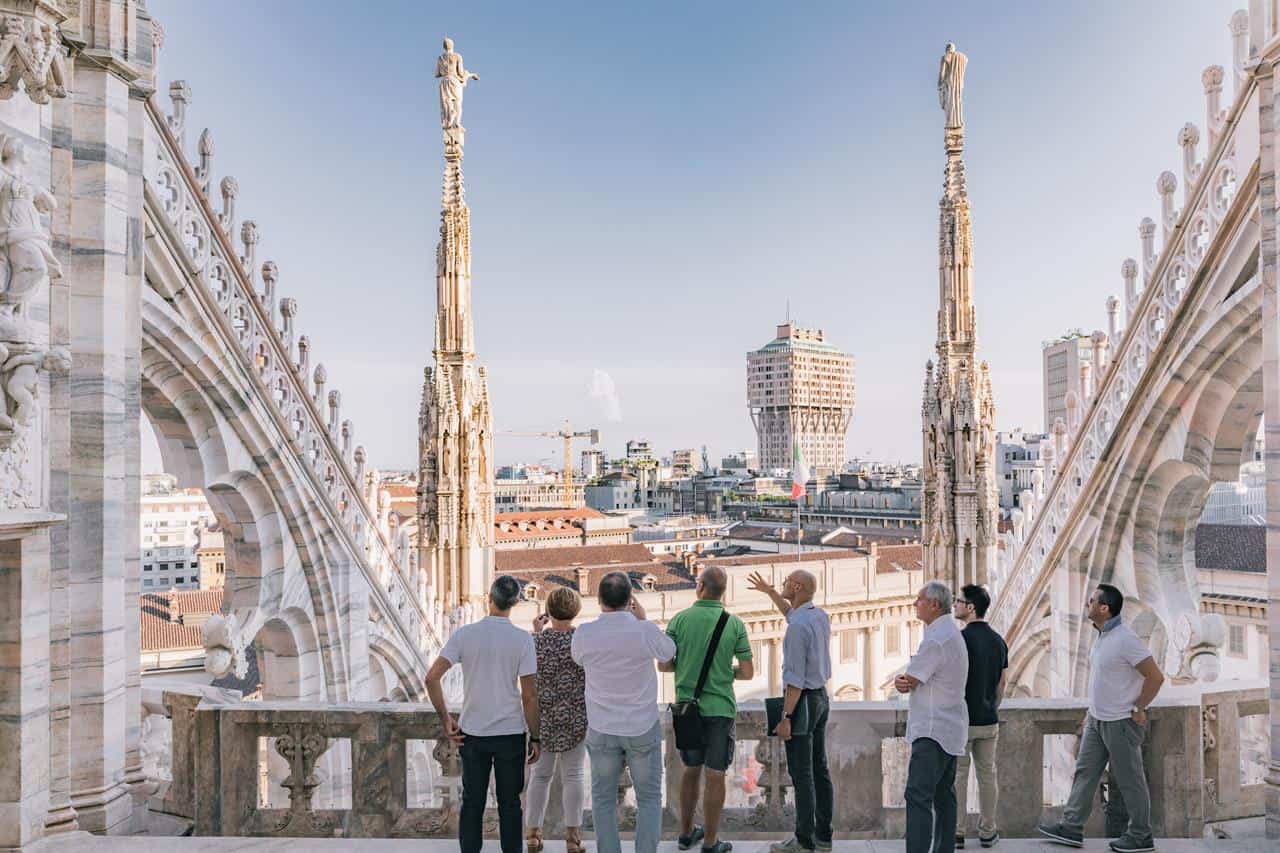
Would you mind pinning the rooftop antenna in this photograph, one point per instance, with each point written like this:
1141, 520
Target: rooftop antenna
788, 310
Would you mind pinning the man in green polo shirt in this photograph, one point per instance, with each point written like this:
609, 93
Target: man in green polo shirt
692, 629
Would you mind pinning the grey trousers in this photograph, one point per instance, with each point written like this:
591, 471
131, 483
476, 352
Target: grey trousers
1120, 743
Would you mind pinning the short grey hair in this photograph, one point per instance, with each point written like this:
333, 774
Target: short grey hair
939, 593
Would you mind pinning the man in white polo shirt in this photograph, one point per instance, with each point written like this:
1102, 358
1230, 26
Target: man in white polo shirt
617, 652
1123, 680
937, 722
496, 713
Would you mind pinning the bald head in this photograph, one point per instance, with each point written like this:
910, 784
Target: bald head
801, 585
712, 582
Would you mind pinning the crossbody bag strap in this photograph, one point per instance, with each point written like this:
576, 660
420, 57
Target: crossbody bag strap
711, 650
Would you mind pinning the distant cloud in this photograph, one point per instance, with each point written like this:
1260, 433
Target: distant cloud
603, 390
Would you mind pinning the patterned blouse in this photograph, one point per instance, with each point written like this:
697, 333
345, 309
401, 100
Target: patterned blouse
562, 708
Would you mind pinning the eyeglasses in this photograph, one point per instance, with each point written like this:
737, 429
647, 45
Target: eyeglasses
962, 601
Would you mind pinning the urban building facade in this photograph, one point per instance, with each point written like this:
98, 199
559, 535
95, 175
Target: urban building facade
800, 390
172, 524
684, 463
1017, 460
1065, 362
961, 502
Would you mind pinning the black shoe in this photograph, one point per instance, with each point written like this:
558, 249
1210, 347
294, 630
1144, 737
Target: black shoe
718, 847
989, 842
1125, 844
959, 842
684, 842
1061, 834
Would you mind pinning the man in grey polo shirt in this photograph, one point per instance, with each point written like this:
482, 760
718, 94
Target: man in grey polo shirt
1123, 680
806, 668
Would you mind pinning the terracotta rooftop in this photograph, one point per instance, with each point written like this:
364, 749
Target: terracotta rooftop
569, 559
400, 490
159, 633
576, 513
899, 558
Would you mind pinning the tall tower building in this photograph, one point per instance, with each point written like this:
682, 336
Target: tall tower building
961, 502
799, 387
455, 425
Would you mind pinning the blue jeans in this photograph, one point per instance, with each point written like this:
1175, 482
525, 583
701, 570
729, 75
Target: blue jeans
643, 754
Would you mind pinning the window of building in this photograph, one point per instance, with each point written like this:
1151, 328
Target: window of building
146, 582
849, 646
146, 567
1235, 641
893, 640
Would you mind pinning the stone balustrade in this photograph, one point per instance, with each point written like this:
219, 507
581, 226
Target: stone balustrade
404, 782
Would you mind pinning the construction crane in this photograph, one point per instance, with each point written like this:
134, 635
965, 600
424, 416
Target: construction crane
568, 435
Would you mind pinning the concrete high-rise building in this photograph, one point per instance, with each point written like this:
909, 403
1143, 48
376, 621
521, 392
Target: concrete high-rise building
592, 463
638, 450
799, 387
684, 463
1062, 360
961, 500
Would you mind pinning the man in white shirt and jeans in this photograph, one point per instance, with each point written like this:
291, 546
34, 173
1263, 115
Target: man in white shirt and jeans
1123, 680
937, 723
496, 714
617, 652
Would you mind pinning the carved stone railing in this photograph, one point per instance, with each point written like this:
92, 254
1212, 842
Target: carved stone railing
262, 334
404, 782
1122, 371
169, 744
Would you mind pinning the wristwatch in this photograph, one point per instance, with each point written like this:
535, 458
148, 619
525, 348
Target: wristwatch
791, 716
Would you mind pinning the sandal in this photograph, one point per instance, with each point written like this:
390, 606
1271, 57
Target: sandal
533, 838
573, 840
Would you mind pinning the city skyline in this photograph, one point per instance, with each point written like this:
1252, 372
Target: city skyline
803, 161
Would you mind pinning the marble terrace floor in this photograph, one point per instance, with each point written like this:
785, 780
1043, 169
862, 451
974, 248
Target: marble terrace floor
143, 844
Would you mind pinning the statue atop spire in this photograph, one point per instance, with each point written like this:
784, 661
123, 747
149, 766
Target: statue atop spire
455, 438
951, 85
453, 79
960, 508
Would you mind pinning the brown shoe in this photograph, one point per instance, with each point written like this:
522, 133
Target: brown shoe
533, 839
573, 840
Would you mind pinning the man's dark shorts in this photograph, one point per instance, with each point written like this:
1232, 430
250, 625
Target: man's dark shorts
717, 745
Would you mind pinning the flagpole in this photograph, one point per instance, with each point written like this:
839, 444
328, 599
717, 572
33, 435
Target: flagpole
799, 532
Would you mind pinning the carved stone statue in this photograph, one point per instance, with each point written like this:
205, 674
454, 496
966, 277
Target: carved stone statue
453, 79
21, 378
26, 259
951, 85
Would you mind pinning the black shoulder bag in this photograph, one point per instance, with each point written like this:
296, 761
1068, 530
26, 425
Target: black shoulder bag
686, 719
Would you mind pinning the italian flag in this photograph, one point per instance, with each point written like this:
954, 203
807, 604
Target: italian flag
799, 471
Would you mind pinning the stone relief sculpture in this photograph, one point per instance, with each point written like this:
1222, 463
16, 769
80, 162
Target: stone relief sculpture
31, 53
951, 85
453, 79
26, 259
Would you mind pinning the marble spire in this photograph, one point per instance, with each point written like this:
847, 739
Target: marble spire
960, 508
455, 479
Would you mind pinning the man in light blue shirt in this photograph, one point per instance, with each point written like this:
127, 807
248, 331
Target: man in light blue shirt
806, 668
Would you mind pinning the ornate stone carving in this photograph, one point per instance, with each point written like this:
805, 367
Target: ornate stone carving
301, 748
31, 53
224, 647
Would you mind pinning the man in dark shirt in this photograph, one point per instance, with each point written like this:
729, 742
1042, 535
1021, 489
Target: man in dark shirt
988, 660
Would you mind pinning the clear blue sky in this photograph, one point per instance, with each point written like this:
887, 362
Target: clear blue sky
650, 184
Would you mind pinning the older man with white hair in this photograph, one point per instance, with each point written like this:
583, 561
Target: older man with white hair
937, 723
